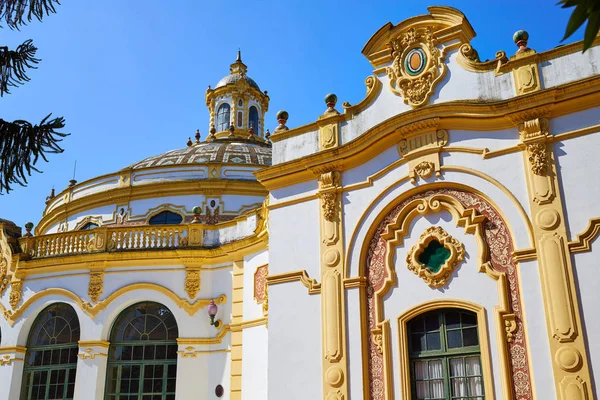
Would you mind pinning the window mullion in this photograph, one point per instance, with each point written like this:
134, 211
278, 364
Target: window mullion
447, 383
48, 374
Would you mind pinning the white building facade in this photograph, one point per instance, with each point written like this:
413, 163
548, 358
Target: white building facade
434, 241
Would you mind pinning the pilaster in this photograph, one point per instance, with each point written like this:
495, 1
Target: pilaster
237, 314
11, 371
91, 369
567, 345
333, 307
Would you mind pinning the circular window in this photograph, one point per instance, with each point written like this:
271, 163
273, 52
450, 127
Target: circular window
415, 61
219, 390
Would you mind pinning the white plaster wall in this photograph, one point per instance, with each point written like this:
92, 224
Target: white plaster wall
571, 67
295, 147
536, 330
294, 239
105, 213
587, 283
355, 343
177, 173
255, 363
251, 309
578, 169
293, 192
294, 343
95, 186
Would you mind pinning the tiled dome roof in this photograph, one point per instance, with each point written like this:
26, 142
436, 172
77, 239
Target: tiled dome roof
233, 78
234, 151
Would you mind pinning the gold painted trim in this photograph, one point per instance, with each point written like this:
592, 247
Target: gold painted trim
405, 317
13, 349
468, 115
190, 352
310, 283
584, 240
355, 282
205, 341
251, 323
94, 343
7, 360
93, 311
90, 354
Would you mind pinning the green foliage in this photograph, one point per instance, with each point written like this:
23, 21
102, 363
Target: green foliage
584, 10
21, 143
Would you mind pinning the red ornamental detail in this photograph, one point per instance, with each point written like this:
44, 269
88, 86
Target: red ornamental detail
260, 278
499, 242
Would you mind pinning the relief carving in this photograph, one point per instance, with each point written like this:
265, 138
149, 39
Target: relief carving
96, 286
192, 282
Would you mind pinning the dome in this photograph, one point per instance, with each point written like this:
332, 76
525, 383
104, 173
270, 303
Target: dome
234, 78
234, 151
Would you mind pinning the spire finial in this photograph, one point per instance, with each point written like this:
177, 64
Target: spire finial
239, 57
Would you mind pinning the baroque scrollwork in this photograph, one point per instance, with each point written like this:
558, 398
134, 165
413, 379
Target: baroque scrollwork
441, 277
16, 292
192, 282
417, 66
424, 169
538, 158
96, 286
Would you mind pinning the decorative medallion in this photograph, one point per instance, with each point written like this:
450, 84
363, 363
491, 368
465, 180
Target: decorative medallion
417, 67
435, 256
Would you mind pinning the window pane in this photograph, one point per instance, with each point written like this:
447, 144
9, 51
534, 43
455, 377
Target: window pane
452, 320
469, 319
470, 337
418, 342
422, 390
437, 389
417, 325
421, 370
436, 369
473, 366
459, 387
457, 367
454, 339
433, 341
432, 322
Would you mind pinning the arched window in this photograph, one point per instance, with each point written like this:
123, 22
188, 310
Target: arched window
253, 119
223, 117
51, 357
89, 226
166, 218
445, 360
142, 359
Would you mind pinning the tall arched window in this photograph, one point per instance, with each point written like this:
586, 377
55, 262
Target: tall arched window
253, 118
51, 357
166, 218
223, 117
142, 359
445, 360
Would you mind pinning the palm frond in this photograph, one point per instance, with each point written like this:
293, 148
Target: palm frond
15, 13
23, 144
14, 64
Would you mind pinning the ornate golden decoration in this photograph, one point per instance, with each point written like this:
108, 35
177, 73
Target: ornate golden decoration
441, 277
265, 304
16, 292
90, 354
192, 282
424, 169
329, 205
416, 88
538, 158
96, 286
510, 326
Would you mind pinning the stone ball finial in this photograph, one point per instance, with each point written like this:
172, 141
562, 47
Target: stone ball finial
282, 117
197, 136
520, 38
28, 228
189, 142
331, 100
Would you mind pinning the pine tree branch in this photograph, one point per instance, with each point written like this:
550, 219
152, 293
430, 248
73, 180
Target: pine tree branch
22, 144
14, 64
19, 12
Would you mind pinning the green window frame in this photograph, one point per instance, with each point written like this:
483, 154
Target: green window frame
444, 355
51, 356
142, 358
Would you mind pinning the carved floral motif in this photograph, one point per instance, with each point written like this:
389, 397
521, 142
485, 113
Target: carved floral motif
192, 282
424, 169
260, 280
96, 286
538, 158
328, 204
499, 242
16, 292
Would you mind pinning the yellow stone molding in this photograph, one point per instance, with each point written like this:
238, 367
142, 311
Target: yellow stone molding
251, 323
565, 331
94, 310
333, 302
192, 282
56, 213
237, 318
584, 240
457, 255
86, 220
374, 86
94, 343
405, 317
461, 115
191, 352
355, 282
311, 284
179, 210
217, 339
450, 26
396, 230
13, 349
7, 360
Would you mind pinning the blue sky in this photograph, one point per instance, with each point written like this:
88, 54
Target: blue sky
129, 76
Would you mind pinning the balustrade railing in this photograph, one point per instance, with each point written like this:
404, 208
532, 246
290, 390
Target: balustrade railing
141, 237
